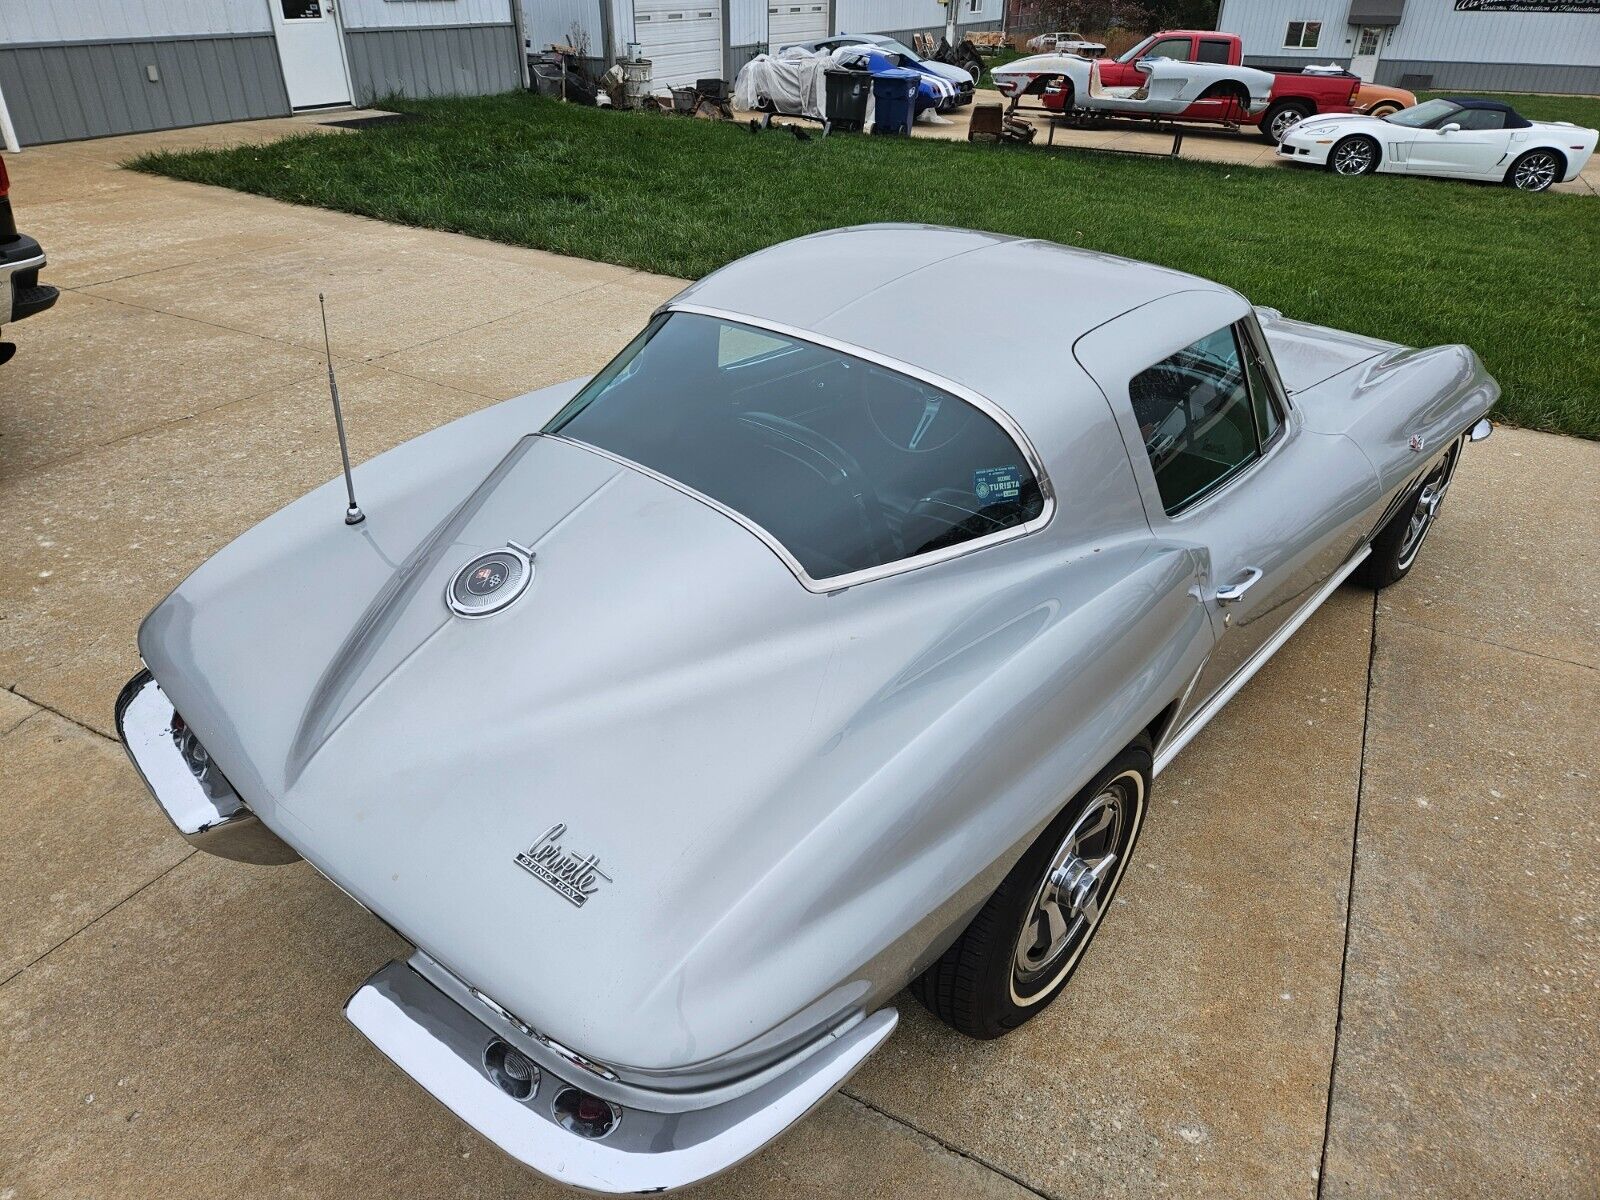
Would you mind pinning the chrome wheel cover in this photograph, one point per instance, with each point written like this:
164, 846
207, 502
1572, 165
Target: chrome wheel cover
1352, 158
1283, 122
1423, 514
1535, 172
1076, 889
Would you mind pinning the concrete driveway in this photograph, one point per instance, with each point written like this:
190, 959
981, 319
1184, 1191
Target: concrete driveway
1358, 954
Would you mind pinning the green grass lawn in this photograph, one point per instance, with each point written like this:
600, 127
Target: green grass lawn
1418, 261
1580, 110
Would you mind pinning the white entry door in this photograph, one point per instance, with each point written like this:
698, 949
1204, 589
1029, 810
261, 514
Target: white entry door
789, 23
312, 51
681, 38
1364, 62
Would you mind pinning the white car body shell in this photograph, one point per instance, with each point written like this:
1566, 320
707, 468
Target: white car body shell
1170, 85
1481, 154
1066, 43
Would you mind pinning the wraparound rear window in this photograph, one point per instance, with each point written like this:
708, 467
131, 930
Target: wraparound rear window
849, 465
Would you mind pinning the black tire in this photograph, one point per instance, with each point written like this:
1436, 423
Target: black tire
1280, 118
980, 986
1536, 170
1395, 548
1356, 155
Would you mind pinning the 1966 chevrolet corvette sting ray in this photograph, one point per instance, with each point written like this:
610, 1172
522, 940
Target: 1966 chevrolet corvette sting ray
682, 716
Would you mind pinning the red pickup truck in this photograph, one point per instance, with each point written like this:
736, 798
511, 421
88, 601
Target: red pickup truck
1294, 96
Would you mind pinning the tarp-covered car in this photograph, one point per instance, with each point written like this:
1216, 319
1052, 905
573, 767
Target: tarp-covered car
682, 715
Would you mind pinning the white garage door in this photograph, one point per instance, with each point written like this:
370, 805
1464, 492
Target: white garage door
791, 23
681, 38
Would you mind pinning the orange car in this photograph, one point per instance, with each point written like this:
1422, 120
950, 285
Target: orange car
1377, 101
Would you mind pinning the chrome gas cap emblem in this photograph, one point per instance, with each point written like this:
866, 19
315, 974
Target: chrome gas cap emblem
491, 581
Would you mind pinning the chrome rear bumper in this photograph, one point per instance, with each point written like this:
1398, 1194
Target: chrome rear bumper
454, 1055
187, 785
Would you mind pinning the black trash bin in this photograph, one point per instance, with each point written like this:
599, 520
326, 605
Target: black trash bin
894, 100
847, 98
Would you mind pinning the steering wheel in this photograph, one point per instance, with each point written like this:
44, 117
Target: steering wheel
917, 421
834, 464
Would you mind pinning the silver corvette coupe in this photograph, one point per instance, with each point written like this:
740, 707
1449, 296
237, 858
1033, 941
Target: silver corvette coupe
682, 716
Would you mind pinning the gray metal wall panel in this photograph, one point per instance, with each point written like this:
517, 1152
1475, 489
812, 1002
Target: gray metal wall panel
48, 21
1494, 77
427, 14
80, 90
457, 60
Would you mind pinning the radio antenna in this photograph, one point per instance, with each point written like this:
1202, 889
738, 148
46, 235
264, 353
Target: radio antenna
352, 515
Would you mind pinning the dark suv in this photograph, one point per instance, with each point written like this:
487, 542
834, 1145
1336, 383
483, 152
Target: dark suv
21, 293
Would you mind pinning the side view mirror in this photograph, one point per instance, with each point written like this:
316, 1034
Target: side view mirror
1450, 128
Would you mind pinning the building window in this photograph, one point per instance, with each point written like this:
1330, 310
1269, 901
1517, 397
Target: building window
1303, 35
974, 7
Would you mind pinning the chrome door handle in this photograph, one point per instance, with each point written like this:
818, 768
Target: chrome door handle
1232, 593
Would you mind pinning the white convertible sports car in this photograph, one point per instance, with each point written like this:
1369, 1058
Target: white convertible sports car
1170, 85
1455, 137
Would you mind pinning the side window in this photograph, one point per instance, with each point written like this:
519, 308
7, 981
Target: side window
1268, 417
1479, 118
1303, 35
1213, 51
1198, 416
1177, 48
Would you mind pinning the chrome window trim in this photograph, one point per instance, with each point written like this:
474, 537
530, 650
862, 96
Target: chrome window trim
838, 583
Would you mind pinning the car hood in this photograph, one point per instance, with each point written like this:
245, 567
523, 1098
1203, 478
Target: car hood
1307, 354
1325, 123
945, 71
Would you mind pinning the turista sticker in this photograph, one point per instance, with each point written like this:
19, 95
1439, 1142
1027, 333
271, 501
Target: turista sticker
574, 877
995, 485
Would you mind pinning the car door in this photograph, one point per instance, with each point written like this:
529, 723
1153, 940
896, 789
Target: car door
1226, 464
1472, 141
1121, 72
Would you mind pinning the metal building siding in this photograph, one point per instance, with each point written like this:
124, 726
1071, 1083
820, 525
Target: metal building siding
1428, 30
551, 22
25, 21
461, 60
892, 16
1433, 29
417, 14
94, 89
1262, 25
747, 22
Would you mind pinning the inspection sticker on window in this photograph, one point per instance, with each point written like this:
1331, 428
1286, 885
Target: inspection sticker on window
993, 485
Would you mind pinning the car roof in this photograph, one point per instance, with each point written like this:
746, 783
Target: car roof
994, 313
1514, 119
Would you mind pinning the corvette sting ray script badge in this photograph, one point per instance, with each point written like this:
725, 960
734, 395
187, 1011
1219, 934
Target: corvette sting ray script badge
572, 877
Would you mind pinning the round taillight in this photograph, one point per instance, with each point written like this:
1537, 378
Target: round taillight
584, 1114
510, 1070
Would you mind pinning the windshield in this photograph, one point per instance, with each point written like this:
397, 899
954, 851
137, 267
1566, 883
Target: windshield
890, 46
846, 464
1419, 116
1135, 52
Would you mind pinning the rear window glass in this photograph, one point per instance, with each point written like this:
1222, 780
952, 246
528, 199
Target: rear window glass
847, 464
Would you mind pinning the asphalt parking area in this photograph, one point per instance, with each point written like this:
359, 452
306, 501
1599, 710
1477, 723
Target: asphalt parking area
1356, 954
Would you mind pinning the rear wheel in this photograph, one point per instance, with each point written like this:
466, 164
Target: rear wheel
1354, 156
1031, 934
1279, 119
1535, 171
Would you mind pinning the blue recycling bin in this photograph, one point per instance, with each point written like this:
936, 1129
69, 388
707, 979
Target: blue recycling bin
894, 100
